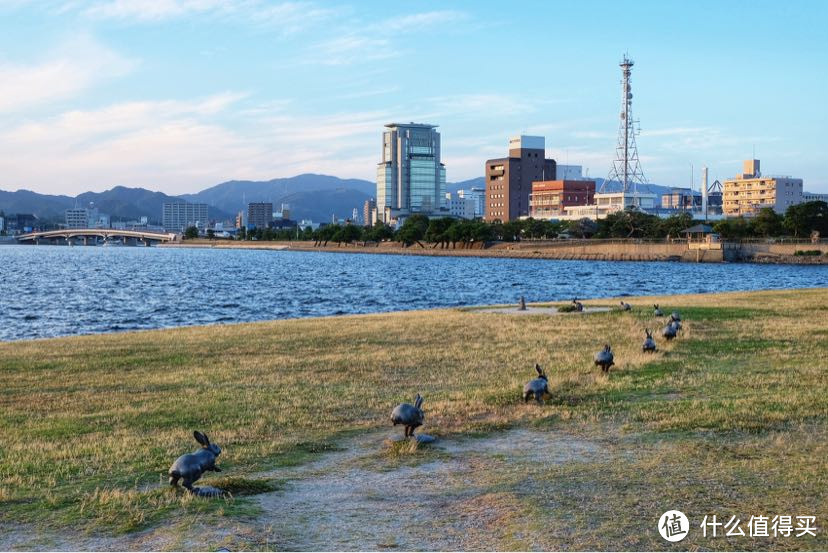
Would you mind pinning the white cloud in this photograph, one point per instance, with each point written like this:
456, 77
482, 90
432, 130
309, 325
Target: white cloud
183, 146
150, 10
75, 66
351, 48
375, 41
289, 17
480, 104
419, 20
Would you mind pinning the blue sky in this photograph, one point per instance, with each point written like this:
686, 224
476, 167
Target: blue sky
178, 95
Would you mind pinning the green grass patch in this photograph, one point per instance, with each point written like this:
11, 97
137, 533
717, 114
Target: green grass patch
90, 425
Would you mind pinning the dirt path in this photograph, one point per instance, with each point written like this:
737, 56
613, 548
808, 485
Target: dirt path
448, 496
357, 500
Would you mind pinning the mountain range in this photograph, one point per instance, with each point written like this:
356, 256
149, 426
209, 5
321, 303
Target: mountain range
310, 196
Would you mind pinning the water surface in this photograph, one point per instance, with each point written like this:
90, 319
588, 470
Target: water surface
57, 290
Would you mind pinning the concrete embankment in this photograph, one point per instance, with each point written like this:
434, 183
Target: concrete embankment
587, 250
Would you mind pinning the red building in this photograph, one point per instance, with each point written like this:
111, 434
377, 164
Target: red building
550, 197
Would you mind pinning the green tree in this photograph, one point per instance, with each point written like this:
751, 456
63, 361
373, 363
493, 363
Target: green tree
241, 234
211, 234
672, 226
379, 232
733, 229
582, 228
767, 223
511, 231
322, 235
347, 234
191, 233
801, 219
413, 230
437, 231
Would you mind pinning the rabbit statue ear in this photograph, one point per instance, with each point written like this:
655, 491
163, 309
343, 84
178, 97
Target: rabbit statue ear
539, 369
418, 401
200, 438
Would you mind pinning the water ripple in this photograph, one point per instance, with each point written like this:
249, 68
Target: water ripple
54, 291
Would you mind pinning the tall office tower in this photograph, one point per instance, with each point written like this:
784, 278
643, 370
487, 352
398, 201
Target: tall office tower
410, 177
509, 179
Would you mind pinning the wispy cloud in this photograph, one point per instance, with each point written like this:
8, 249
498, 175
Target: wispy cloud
153, 10
376, 40
351, 48
75, 66
184, 145
288, 17
419, 21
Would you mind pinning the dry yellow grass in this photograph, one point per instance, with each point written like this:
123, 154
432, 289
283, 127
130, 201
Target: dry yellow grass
88, 425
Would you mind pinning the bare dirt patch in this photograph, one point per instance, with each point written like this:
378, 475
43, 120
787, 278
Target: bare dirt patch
540, 310
449, 495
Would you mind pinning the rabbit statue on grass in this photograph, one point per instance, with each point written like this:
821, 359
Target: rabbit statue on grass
409, 415
191, 466
537, 387
649, 344
605, 359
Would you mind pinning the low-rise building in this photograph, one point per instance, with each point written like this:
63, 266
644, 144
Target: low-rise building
259, 215
750, 191
177, 216
550, 198
76, 218
682, 199
476, 195
459, 206
814, 197
611, 202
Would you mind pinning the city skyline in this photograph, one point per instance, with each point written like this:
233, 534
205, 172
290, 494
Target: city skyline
180, 95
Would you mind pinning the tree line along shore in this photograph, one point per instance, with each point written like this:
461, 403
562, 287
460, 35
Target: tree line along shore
627, 235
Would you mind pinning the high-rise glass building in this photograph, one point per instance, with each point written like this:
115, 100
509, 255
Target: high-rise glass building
410, 177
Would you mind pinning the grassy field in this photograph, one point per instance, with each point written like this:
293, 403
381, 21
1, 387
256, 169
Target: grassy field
729, 419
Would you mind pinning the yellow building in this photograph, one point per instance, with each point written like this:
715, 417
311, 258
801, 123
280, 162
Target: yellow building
750, 191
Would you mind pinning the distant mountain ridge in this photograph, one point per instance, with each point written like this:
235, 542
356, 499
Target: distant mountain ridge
120, 203
310, 196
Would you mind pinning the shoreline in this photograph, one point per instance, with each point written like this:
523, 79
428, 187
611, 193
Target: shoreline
579, 250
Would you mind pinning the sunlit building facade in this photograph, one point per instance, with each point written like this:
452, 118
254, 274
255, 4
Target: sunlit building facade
410, 177
750, 191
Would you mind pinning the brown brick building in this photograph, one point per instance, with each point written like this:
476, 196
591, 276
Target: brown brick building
509, 180
549, 198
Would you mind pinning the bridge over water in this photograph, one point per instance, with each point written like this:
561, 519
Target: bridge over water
88, 236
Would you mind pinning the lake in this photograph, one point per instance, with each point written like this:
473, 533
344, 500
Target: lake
50, 291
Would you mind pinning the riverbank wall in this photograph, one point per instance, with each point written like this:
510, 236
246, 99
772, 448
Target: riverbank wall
586, 250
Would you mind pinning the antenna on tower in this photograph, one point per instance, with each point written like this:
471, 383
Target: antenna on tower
626, 168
